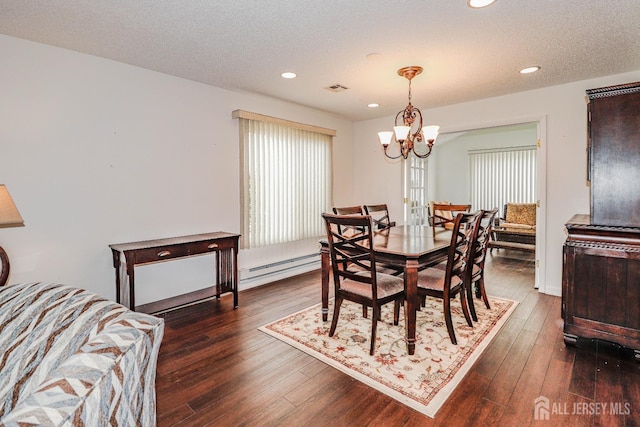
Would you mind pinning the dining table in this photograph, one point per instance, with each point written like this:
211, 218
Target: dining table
410, 248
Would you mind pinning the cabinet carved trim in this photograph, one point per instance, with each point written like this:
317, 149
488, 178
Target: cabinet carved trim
604, 245
604, 92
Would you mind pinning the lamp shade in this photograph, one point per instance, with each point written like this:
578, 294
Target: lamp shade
430, 133
385, 137
9, 215
402, 132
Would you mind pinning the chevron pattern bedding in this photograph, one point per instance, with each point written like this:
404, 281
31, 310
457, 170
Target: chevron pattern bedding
71, 358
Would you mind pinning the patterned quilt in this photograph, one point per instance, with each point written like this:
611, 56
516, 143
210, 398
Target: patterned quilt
69, 357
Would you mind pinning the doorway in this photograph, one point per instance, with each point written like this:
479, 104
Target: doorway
424, 179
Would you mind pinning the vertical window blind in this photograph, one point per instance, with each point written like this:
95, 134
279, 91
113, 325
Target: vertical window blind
502, 176
286, 182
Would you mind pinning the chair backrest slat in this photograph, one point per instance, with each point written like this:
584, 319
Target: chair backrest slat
379, 215
348, 210
444, 214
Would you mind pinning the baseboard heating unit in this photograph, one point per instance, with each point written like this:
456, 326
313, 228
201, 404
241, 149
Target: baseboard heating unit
262, 274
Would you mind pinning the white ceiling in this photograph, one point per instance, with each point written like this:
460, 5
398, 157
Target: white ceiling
244, 45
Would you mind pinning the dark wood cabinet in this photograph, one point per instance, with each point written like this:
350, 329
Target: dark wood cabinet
601, 283
614, 154
601, 265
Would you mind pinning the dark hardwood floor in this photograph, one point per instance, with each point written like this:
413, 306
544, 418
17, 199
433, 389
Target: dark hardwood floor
216, 368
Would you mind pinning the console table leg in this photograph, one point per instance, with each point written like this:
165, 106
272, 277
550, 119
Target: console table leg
227, 273
116, 265
235, 277
218, 275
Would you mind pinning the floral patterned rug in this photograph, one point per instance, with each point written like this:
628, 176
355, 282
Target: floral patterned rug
423, 380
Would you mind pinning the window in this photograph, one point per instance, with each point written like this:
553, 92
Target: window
502, 176
415, 170
286, 179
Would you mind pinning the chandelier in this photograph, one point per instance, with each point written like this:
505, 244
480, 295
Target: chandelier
409, 131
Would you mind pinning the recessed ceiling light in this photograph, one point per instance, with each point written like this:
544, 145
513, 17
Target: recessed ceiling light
530, 70
288, 75
476, 4
373, 105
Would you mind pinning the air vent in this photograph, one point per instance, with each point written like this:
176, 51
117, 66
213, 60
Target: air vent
336, 88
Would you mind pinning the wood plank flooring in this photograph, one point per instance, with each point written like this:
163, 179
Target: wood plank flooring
216, 368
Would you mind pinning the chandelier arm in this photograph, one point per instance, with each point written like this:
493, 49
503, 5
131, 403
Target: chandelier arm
425, 155
400, 113
393, 157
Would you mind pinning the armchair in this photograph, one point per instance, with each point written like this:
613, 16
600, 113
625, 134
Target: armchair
517, 228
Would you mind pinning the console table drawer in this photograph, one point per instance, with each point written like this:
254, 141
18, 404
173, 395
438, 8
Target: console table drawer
160, 253
211, 245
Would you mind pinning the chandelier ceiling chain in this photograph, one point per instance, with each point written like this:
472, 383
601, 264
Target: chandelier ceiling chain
406, 134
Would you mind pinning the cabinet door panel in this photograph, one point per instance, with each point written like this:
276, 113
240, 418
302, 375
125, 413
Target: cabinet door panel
632, 297
614, 131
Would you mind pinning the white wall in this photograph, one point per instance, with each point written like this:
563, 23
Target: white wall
564, 107
96, 152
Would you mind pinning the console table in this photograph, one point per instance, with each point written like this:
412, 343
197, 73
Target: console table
127, 255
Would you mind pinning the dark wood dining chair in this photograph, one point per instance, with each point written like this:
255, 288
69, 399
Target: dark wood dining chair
358, 210
378, 221
444, 214
364, 285
447, 284
475, 275
349, 210
379, 215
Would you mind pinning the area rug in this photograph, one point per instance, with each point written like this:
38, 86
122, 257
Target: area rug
422, 381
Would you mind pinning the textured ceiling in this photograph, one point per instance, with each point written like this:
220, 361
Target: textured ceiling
244, 45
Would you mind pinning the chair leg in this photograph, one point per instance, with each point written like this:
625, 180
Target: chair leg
336, 314
472, 307
396, 311
483, 292
447, 318
364, 311
374, 325
465, 307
